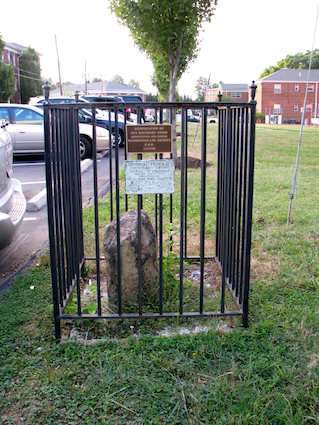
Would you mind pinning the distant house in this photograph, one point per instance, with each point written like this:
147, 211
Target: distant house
237, 92
280, 96
11, 55
101, 88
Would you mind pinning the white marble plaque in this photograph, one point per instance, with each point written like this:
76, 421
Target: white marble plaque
149, 176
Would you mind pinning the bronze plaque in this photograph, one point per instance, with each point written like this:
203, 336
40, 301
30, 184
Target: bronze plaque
143, 138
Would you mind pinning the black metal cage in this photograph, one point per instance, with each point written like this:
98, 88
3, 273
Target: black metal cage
231, 217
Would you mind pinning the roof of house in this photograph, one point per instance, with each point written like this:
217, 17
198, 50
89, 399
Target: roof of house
293, 75
234, 87
101, 87
18, 48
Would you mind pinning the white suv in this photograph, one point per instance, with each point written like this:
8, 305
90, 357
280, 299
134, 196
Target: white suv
12, 200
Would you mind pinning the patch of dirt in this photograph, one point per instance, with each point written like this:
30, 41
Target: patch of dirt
313, 361
211, 274
191, 162
264, 265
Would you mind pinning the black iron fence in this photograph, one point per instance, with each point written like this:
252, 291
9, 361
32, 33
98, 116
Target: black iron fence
230, 220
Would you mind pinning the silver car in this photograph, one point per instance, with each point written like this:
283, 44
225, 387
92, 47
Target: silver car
12, 200
26, 130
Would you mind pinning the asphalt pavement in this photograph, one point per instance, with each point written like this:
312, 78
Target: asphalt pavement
31, 238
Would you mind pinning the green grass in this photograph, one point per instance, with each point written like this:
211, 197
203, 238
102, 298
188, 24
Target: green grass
267, 374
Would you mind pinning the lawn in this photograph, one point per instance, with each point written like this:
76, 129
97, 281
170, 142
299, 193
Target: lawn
267, 374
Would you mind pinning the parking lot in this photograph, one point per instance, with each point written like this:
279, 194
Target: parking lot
31, 237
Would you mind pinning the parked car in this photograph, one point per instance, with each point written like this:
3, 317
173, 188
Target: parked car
27, 133
12, 200
111, 99
85, 114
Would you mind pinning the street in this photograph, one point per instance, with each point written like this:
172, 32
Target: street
31, 237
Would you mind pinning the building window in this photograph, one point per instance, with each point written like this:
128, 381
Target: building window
236, 94
297, 88
277, 109
311, 89
296, 108
277, 88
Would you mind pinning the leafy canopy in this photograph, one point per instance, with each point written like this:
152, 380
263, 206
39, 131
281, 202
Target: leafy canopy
202, 84
7, 80
30, 77
297, 61
168, 31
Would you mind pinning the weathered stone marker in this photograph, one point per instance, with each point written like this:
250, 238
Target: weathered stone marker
129, 259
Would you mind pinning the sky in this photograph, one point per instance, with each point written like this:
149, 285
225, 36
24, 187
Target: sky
243, 38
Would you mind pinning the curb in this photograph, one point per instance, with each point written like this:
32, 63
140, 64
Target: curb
86, 164
40, 199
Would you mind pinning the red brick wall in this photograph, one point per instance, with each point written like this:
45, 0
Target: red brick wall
287, 99
211, 95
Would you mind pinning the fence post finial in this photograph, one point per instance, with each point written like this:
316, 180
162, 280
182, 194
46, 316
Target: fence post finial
220, 96
76, 95
253, 89
46, 90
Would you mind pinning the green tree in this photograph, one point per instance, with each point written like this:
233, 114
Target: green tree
168, 31
297, 61
117, 79
134, 84
202, 84
97, 80
30, 75
7, 80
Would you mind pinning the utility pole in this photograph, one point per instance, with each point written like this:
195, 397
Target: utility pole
59, 68
86, 80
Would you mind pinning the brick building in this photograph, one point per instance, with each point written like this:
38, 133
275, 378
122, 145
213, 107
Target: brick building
280, 96
11, 55
237, 92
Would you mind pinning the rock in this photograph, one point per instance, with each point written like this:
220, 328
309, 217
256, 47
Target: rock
191, 162
129, 259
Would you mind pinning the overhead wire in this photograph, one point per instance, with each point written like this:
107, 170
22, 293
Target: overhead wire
295, 173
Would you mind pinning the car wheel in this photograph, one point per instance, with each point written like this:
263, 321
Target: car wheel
85, 148
121, 139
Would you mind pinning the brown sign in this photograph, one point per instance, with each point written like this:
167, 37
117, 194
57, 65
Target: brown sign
143, 138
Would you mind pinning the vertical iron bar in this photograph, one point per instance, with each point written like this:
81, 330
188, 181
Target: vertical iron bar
52, 234
160, 229
244, 206
186, 184
218, 194
240, 189
58, 218
70, 139
172, 110
249, 210
182, 214
96, 216
117, 211
139, 237
110, 166
203, 207
225, 162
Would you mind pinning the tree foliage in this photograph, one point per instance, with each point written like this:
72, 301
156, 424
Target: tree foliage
297, 61
134, 83
202, 84
117, 79
30, 74
168, 31
7, 80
